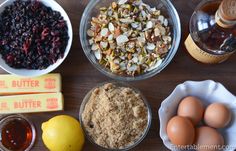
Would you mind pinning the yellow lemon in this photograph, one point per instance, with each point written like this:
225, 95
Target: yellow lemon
63, 133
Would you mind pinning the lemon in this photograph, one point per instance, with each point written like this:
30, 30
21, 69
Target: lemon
63, 133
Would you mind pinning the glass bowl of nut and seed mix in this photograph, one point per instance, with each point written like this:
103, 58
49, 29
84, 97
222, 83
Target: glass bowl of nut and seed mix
130, 40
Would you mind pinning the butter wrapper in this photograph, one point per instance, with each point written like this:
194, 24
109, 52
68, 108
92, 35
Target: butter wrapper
31, 103
10, 84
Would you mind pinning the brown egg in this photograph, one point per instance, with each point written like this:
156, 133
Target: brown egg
192, 108
207, 139
180, 131
217, 115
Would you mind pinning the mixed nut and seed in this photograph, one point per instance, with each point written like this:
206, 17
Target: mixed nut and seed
129, 37
32, 35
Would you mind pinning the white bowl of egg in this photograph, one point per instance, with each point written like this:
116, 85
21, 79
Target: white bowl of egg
199, 116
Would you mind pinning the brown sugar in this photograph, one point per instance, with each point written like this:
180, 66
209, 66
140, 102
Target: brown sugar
115, 117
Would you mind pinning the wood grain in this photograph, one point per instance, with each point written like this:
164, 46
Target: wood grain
79, 76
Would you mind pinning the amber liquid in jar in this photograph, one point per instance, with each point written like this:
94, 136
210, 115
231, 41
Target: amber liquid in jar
213, 37
16, 135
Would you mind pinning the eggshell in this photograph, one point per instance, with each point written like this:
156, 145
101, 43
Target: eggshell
192, 108
180, 131
217, 115
208, 139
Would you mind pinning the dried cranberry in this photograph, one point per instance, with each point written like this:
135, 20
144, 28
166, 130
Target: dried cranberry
10, 58
26, 46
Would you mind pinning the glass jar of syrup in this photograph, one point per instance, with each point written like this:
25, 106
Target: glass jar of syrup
17, 133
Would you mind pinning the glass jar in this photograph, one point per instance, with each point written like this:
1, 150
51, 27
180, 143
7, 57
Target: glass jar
17, 133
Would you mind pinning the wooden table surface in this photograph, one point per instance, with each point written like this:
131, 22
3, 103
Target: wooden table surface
79, 76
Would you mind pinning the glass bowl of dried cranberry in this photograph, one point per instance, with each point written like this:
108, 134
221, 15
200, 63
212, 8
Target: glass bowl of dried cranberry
35, 36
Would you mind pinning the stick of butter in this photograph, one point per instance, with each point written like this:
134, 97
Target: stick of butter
31, 103
10, 84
